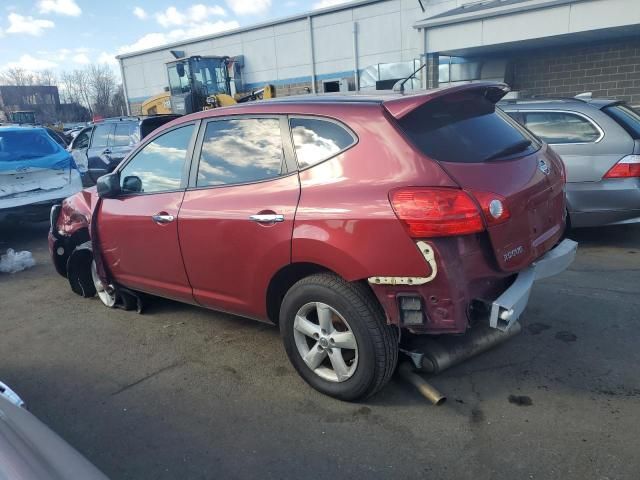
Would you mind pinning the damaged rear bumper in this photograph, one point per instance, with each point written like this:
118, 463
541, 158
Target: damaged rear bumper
507, 308
36, 205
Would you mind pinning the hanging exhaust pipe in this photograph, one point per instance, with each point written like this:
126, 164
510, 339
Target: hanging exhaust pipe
406, 371
435, 356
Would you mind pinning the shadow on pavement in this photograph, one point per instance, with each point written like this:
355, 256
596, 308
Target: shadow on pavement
621, 236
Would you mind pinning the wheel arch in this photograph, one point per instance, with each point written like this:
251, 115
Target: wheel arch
283, 280
69, 244
287, 276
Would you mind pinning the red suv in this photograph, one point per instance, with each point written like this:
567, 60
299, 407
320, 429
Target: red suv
345, 220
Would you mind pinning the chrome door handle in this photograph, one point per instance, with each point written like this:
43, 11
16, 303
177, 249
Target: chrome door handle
106, 151
162, 219
267, 218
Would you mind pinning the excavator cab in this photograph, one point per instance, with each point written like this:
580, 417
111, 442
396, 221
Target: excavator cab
194, 79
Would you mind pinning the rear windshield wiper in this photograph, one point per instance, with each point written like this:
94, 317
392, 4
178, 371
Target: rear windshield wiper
510, 150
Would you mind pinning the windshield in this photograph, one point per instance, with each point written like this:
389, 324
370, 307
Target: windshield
626, 117
22, 145
209, 75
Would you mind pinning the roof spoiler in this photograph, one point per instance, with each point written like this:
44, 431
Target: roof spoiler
399, 107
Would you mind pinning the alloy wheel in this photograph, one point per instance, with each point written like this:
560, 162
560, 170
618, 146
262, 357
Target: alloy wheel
325, 342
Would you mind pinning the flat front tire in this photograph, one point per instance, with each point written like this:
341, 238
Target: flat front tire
336, 337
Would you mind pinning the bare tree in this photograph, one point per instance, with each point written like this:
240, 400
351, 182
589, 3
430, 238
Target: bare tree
16, 76
102, 85
94, 87
118, 102
76, 88
46, 77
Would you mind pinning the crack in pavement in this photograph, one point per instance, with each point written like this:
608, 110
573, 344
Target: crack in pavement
146, 377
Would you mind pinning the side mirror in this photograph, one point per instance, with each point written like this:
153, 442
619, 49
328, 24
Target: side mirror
180, 69
109, 185
132, 184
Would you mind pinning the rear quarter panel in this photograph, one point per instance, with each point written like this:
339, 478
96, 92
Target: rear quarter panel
344, 219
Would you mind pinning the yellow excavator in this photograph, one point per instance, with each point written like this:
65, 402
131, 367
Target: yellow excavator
201, 83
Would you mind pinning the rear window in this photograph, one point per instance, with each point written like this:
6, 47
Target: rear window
626, 117
23, 145
466, 128
148, 125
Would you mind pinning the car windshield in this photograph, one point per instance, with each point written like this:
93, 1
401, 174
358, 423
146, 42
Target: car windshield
21, 145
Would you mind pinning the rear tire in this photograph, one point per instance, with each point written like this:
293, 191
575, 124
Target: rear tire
356, 353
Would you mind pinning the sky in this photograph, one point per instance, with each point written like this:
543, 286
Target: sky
68, 34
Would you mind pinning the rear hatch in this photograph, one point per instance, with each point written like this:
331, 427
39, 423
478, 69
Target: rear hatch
491, 157
30, 161
17, 184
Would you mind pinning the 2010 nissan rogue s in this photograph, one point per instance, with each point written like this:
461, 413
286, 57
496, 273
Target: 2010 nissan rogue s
345, 220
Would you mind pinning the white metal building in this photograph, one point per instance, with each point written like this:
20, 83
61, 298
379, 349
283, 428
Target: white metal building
351, 46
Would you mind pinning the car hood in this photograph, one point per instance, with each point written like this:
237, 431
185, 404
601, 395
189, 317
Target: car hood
30, 450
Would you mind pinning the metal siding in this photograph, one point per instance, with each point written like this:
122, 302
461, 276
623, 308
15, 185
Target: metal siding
526, 25
280, 53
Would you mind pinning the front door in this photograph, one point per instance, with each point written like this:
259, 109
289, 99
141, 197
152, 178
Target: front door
236, 220
138, 231
79, 147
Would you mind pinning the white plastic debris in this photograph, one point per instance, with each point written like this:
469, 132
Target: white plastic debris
13, 261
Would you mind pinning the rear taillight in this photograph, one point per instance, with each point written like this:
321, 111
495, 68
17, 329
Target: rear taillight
628, 167
436, 212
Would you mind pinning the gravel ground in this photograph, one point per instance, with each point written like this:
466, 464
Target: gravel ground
182, 392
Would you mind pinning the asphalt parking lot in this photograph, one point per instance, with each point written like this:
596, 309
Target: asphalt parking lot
182, 392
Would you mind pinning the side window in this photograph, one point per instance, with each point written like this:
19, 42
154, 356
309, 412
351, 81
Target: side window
240, 151
316, 140
82, 140
159, 166
561, 127
101, 135
125, 134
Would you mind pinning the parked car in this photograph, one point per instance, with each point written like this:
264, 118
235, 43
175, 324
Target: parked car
99, 148
59, 137
599, 142
35, 173
30, 450
344, 220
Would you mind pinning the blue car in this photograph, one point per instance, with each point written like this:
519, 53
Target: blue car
35, 173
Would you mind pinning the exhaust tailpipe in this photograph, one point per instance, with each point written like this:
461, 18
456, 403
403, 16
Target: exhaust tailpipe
429, 392
435, 356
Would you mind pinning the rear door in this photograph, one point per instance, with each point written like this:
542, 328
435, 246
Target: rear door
236, 220
99, 153
489, 155
138, 231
